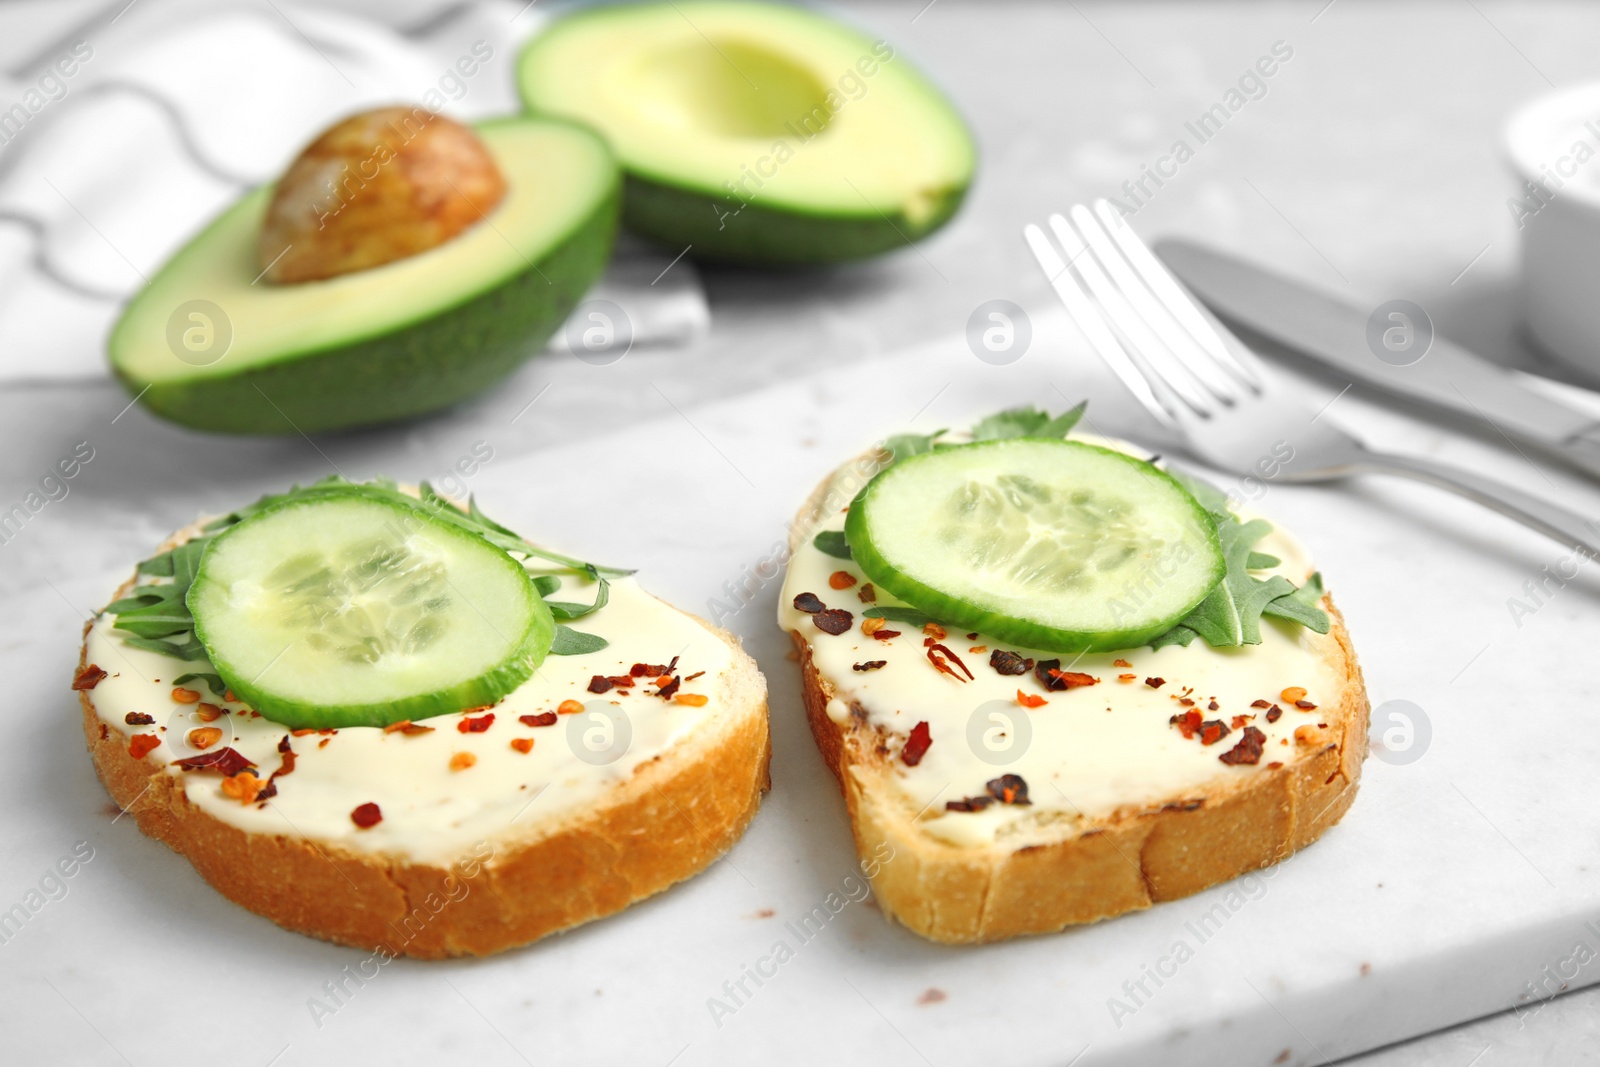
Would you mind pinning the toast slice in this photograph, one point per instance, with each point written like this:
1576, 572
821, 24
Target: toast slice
1136, 805
468, 857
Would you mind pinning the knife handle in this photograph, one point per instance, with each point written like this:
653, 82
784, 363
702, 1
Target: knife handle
1559, 523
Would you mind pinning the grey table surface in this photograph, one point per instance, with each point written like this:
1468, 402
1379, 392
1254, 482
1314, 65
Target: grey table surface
1371, 165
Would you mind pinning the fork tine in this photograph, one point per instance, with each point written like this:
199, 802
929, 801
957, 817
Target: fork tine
1177, 301
1151, 313
1140, 343
1081, 310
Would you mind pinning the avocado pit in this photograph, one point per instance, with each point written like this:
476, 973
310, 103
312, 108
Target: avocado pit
374, 188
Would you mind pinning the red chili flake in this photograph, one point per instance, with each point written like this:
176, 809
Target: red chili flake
1030, 700
968, 804
1005, 662
266, 792
665, 691
367, 816
87, 677
1155, 683
972, 636
1126, 677
870, 665
833, 620
1248, 750
1188, 723
886, 635
1240, 720
1186, 702
692, 677
138, 718
1120, 663
941, 657
477, 725
841, 580
1212, 706
599, 684
228, 761
1048, 671
1212, 731
650, 670
1261, 703
624, 681
1274, 713
867, 593
1305, 705
809, 603
141, 745
544, 718
934, 630
1274, 765
916, 745
1009, 789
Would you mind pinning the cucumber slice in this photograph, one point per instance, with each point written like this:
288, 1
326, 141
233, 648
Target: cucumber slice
1050, 544
350, 609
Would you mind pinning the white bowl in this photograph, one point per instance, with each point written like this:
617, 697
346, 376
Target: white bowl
1554, 143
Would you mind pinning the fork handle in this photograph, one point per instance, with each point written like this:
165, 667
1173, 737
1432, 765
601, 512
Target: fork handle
1559, 523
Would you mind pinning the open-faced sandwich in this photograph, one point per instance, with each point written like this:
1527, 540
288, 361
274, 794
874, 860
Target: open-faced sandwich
359, 711
1061, 682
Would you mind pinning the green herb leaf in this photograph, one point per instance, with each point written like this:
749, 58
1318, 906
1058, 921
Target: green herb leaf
1026, 422
562, 609
1231, 613
906, 445
1301, 606
570, 642
546, 584
832, 543
219, 688
896, 614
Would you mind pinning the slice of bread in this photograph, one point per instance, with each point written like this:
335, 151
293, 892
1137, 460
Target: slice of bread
666, 818
1051, 868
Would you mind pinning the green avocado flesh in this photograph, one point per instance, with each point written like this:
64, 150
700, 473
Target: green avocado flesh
756, 133
1054, 545
345, 610
209, 345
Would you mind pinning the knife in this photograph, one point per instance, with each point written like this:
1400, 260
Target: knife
1332, 333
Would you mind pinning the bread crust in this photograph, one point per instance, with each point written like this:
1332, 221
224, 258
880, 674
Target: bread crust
1124, 863
669, 821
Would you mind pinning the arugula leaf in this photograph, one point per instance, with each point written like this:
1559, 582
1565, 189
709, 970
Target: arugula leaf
906, 445
219, 688
1231, 613
563, 609
546, 584
570, 642
1026, 422
832, 543
1301, 605
897, 614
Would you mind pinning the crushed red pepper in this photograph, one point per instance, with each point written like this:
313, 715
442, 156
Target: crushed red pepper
1188, 723
809, 603
833, 621
867, 593
475, 725
869, 665
599, 684
1009, 789
227, 761
1031, 700
886, 635
141, 745
367, 815
87, 677
941, 657
138, 718
1212, 731
544, 718
1274, 713
1006, 662
841, 580
1155, 683
1248, 750
968, 804
916, 745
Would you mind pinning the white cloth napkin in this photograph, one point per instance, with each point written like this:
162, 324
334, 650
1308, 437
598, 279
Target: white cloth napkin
131, 130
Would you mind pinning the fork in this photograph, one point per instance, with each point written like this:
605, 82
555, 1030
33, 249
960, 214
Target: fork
1203, 384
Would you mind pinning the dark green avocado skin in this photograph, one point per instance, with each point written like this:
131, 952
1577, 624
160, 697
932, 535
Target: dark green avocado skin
721, 230
416, 369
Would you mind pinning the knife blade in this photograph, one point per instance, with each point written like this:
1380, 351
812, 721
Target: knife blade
1332, 332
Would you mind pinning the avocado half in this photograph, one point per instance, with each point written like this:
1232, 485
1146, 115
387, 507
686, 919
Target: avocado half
753, 132
208, 345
